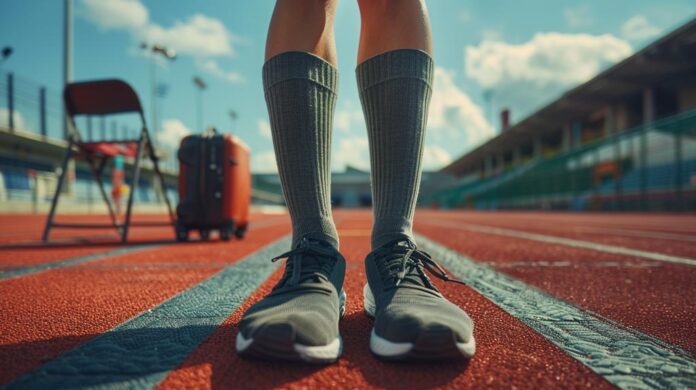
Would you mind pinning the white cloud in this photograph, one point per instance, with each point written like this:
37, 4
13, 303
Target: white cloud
264, 162
454, 117
348, 118
353, 151
199, 35
638, 28
578, 17
491, 34
173, 130
522, 76
115, 14
264, 128
435, 157
212, 67
17, 119
465, 16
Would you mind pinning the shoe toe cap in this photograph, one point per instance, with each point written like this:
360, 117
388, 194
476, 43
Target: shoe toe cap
406, 323
303, 327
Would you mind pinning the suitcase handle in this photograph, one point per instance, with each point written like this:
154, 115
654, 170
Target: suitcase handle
210, 132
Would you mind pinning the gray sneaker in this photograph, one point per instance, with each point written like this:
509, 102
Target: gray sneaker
413, 321
298, 320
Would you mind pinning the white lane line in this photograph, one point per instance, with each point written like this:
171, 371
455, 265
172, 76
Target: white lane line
682, 228
571, 264
583, 227
619, 250
624, 357
638, 233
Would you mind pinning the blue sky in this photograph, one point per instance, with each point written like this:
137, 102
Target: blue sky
519, 53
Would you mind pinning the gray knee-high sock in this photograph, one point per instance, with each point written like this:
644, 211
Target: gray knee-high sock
395, 90
300, 91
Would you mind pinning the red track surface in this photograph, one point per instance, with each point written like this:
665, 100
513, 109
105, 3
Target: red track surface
48, 313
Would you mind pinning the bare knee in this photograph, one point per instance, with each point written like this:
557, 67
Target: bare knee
304, 25
393, 24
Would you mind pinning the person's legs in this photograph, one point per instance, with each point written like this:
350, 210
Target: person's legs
298, 320
300, 84
395, 74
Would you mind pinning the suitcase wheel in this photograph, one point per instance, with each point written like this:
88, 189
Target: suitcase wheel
240, 232
205, 234
182, 234
225, 233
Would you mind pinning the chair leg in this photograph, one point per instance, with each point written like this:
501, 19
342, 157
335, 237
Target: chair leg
97, 172
59, 190
134, 187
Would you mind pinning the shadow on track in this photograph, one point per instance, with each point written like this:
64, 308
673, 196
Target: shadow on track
97, 242
356, 329
357, 365
130, 357
87, 243
113, 239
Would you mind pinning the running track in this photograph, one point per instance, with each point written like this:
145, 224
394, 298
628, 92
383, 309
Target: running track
559, 300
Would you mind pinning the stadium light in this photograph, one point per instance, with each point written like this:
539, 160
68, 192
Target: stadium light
167, 53
200, 83
6, 52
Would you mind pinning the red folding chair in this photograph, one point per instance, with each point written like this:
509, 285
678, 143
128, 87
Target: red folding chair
102, 98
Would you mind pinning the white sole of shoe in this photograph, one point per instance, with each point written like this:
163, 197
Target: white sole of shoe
314, 354
321, 354
388, 349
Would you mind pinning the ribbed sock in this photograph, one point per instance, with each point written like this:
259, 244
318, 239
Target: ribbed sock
300, 91
395, 89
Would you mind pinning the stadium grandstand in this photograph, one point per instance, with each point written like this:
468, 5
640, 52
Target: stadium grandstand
624, 140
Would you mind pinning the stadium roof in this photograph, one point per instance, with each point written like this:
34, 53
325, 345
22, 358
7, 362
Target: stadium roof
671, 56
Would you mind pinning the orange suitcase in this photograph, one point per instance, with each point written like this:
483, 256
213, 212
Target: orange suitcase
214, 186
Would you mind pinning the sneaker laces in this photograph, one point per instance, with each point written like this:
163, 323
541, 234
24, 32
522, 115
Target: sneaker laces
400, 261
308, 261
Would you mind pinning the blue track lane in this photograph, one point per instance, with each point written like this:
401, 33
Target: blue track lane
626, 358
139, 353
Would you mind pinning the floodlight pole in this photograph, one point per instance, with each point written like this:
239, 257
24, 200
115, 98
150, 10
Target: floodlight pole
201, 85
233, 116
152, 51
67, 54
200, 109
153, 98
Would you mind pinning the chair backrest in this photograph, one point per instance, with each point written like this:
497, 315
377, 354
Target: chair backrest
100, 97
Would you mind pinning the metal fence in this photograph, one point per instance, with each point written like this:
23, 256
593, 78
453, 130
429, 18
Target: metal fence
650, 167
29, 107
26, 105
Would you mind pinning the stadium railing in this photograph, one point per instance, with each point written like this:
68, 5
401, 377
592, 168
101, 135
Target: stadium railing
26, 105
29, 107
648, 167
